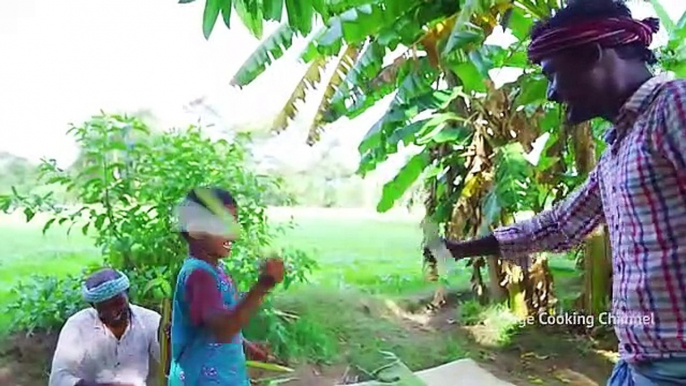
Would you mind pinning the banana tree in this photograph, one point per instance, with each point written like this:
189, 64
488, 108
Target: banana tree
253, 13
673, 54
443, 70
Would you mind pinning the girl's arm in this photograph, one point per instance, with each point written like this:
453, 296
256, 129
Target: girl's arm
225, 323
256, 352
208, 309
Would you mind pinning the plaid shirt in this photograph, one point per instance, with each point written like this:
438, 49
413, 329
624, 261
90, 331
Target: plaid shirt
638, 189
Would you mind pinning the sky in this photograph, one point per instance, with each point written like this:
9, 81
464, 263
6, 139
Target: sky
63, 61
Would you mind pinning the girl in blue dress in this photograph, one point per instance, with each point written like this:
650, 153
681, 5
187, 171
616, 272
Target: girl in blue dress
207, 346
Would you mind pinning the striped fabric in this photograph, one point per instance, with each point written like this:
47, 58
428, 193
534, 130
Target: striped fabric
608, 32
638, 189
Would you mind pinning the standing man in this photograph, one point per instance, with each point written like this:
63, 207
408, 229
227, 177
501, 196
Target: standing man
596, 59
109, 344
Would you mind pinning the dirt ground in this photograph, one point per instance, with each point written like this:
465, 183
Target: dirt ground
536, 356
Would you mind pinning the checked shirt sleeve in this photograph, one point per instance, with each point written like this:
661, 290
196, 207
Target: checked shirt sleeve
555, 230
670, 134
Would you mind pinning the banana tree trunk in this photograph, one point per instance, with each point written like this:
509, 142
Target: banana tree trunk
496, 289
528, 292
596, 251
516, 290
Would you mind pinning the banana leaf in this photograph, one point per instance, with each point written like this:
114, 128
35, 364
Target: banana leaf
394, 373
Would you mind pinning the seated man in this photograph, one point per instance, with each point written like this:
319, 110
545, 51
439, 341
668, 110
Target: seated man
109, 344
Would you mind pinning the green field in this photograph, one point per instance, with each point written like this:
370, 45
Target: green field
375, 253
355, 305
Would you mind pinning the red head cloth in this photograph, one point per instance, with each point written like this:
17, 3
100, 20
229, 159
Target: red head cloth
608, 32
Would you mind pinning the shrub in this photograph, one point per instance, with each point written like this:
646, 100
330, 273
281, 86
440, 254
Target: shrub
125, 185
44, 302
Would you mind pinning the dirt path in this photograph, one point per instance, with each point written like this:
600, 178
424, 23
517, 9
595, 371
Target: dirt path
542, 356
534, 356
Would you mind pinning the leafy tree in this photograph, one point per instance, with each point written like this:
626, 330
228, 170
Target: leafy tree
126, 191
474, 137
443, 72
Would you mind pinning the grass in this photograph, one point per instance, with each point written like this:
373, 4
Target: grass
375, 255
25, 251
345, 316
362, 327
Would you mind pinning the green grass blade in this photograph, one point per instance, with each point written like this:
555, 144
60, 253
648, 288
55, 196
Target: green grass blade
270, 367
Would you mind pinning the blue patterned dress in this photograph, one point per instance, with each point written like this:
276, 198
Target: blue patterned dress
196, 359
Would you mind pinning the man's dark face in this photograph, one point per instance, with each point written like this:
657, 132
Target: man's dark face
576, 80
114, 312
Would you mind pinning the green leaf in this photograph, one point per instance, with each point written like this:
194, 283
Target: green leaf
160, 283
457, 38
321, 7
452, 134
226, 13
48, 224
415, 94
271, 49
395, 372
470, 77
681, 24
29, 213
366, 83
272, 9
461, 38
269, 366
345, 63
357, 24
534, 89
520, 23
250, 13
209, 16
662, 13
99, 221
501, 57
481, 62
434, 126
510, 186
407, 175
300, 15
407, 133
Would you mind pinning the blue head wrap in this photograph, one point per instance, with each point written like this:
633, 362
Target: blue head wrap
106, 290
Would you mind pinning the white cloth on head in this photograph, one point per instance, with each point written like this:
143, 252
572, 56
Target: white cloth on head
193, 217
88, 350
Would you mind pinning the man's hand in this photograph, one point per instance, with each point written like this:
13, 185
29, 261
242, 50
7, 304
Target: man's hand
485, 246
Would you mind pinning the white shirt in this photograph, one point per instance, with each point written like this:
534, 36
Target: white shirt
88, 350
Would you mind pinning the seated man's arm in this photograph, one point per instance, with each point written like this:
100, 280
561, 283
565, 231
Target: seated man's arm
155, 327
559, 229
68, 356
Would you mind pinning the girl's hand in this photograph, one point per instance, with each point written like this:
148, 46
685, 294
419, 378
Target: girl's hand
274, 268
258, 352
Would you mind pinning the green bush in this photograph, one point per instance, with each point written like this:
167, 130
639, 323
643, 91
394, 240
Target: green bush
126, 183
44, 302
